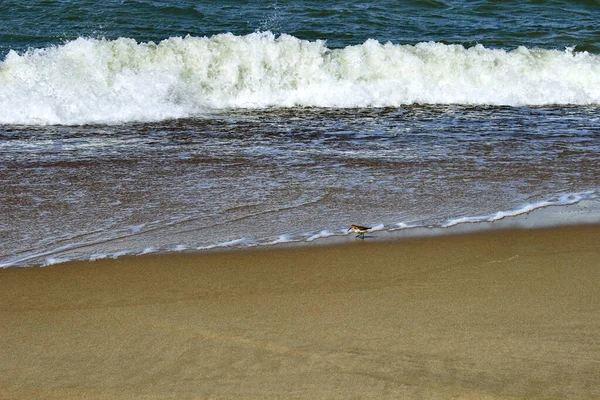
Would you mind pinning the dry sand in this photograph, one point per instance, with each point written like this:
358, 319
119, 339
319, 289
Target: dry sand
500, 314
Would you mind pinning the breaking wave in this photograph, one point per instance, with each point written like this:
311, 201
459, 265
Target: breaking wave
112, 81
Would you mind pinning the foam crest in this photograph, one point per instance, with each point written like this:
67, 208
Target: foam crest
379, 227
320, 235
231, 243
111, 81
562, 200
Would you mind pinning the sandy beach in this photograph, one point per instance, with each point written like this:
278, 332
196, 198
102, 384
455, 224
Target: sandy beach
506, 314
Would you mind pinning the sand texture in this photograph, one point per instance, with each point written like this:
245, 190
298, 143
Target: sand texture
495, 315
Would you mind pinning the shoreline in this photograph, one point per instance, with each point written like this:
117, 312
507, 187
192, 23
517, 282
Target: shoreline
496, 314
583, 212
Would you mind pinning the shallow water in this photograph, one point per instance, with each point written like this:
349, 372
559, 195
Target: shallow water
258, 177
152, 126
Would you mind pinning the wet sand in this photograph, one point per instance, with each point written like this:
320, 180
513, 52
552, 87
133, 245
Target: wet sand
492, 315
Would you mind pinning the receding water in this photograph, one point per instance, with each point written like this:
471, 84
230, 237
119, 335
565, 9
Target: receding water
153, 126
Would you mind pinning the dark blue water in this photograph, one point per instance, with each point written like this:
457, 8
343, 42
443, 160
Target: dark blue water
129, 127
500, 24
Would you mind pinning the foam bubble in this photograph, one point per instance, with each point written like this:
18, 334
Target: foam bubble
562, 200
113, 81
54, 260
137, 228
403, 225
120, 253
231, 243
281, 239
322, 234
56, 255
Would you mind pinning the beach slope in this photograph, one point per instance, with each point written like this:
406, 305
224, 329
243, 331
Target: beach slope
494, 315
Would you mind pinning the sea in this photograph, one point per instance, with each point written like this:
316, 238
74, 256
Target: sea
142, 126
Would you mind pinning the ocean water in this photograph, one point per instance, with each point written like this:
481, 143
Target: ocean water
129, 127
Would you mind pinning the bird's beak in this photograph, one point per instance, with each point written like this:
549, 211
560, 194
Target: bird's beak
348, 230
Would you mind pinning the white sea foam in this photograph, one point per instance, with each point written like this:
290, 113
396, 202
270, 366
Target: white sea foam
403, 225
121, 253
137, 228
56, 255
281, 239
95, 257
231, 243
322, 234
563, 200
149, 250
112, 81
54, 260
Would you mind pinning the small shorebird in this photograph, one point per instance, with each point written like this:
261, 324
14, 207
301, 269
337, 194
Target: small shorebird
359, 230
